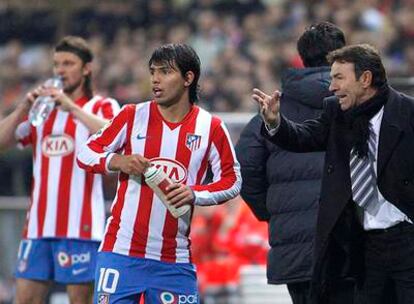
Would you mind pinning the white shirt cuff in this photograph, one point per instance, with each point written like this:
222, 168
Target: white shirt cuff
271, 130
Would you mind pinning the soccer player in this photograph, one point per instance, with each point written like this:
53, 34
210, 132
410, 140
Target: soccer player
65, 221
145, 249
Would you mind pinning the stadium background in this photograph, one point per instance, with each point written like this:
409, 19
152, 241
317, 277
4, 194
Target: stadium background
242, 44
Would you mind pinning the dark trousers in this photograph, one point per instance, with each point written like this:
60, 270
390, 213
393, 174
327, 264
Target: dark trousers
299, 292
389, 266
340, 292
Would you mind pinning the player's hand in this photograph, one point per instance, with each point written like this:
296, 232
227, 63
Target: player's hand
179, 195
33, 94
63, 102
269, 106
134, 164
24, 106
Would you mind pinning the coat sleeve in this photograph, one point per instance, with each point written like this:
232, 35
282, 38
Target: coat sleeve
252, 154
309, 136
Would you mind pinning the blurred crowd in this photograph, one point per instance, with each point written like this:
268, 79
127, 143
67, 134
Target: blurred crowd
241, 43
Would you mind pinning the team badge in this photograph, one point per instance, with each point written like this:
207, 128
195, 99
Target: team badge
22, 266
193, 141
103, 298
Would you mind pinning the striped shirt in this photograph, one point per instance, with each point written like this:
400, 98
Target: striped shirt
66, 201
140, 225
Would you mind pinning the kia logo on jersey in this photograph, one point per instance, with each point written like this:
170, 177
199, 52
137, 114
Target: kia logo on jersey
57, 145
174, 169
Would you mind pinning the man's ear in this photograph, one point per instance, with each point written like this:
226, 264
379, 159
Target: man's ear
87, 69
188, 78
366, 79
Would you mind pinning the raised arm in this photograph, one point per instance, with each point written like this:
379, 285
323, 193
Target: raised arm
11, 122
92, 121
269, 106
309, 136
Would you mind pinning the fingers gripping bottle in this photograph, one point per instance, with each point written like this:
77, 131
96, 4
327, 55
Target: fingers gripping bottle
43, 105
158, 181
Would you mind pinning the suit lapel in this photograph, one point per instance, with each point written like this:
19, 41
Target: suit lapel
392, 126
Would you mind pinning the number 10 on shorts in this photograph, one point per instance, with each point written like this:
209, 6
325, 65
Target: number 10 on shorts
108, 280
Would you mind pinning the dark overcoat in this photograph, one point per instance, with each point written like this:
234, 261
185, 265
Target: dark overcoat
339, 241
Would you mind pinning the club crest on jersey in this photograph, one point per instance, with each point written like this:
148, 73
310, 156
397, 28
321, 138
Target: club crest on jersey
193, 141
103, 298
101, 130
174, 169
58, 145
22, 266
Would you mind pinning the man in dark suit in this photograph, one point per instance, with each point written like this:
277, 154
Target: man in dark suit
364, 231
284, 198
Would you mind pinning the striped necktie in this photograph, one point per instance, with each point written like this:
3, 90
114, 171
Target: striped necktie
363, 178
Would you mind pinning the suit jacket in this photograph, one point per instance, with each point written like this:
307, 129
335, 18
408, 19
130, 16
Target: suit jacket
338, 243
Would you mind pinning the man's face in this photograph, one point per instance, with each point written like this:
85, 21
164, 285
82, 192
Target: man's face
345, 86
72, 70
168, 85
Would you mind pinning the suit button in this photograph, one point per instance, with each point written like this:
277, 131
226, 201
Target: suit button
406, 182
330, 169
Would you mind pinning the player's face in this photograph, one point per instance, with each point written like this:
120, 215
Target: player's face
72, 70
168, 85
346, 86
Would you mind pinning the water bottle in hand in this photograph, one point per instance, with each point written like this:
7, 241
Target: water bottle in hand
158, 181
43, 105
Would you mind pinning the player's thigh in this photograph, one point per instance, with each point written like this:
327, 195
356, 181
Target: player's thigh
31, 291
80, 293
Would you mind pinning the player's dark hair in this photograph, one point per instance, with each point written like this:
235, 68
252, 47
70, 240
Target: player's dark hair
184, 58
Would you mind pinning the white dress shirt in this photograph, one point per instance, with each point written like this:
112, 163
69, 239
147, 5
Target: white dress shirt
386, 215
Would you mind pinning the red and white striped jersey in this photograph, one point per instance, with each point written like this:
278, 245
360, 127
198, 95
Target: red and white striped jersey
66, 201
140, 224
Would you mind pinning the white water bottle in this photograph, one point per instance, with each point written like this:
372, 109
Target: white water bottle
43, 105
158, 181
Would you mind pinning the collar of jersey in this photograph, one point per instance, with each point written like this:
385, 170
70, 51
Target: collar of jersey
172, 125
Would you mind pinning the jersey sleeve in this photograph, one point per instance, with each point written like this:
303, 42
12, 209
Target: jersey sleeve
23, 134
226, 181
96, 153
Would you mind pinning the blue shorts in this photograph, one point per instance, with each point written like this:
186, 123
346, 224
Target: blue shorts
66, 261
123, 279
